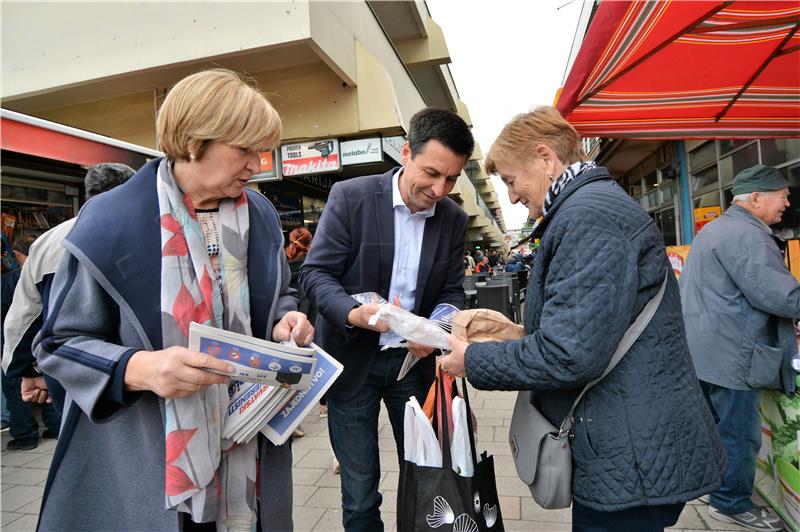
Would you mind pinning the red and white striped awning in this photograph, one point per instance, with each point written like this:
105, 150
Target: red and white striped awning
687, 69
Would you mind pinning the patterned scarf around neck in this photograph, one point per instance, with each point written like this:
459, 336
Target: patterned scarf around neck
212, 479
572, 171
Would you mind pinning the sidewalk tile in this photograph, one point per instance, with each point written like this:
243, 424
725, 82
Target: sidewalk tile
509, 507
533, 512
31, 508
331, 521
390, 480
19, 458
297, 455
389, 503
26, 523
9, 517
311, 442
325, 498
527, 526
25, 476
305, 517
16, 498
316, 458
329, 480
41, 462
301, 494
512, 486
389, 461
306, 476
690, 518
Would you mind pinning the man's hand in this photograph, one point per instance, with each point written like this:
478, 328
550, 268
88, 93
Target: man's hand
418, 350
359, 317
454, 364
174, 372
34, 390
294, 325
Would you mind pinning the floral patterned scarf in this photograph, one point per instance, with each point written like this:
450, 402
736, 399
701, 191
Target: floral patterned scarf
208, 477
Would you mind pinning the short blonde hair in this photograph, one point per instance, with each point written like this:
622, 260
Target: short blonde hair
219, 105
543, 125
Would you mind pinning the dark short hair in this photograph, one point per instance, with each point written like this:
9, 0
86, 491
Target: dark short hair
105, 176
442, 125
23, 244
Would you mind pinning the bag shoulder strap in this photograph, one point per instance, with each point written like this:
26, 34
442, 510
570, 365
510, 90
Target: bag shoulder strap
628, 339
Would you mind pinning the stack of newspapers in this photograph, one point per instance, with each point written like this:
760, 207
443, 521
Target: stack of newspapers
273, 386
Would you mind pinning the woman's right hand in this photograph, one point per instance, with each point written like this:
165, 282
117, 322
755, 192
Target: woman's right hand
174, 372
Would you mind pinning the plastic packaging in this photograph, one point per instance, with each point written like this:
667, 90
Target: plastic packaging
410, 326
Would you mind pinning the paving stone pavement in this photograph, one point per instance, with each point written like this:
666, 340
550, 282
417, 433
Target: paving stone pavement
316, 488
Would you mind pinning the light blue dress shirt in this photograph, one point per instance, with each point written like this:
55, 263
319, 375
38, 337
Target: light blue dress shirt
408, 232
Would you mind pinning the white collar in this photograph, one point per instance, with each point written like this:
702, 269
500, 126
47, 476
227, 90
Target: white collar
397, 198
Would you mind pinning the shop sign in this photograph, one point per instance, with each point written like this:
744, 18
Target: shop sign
361, 151
269, 171
677, 258
313, 157
703, 215
393, 146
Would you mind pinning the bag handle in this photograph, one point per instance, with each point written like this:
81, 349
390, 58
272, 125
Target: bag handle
447, 460
628, 339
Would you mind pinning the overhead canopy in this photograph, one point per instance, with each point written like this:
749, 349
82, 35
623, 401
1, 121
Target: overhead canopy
679, 69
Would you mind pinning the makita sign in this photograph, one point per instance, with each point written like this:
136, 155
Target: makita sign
313, 157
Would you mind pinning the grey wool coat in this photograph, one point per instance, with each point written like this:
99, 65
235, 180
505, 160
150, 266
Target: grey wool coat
109, 464
738, 302
643, 435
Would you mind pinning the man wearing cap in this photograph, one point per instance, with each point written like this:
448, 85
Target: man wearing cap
740, 303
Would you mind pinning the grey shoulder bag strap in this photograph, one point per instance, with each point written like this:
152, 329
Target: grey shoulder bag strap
628, 339
541, 452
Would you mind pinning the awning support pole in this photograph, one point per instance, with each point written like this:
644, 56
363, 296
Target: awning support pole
687, 216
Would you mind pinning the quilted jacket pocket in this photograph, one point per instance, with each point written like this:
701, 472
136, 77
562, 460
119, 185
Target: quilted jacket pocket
765, 364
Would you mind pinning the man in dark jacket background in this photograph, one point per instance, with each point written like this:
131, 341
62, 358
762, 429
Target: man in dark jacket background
739, 300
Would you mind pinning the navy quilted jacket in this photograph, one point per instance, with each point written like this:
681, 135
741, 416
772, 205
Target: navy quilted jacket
643, 435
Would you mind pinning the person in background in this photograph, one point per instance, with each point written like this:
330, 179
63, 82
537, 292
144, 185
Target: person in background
141, 447
470, 263
29, 307
739, 300
400, 236
512, 265
483, 266
23, 426
644, 440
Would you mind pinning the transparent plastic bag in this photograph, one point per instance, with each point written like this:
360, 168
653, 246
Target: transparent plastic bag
410, 326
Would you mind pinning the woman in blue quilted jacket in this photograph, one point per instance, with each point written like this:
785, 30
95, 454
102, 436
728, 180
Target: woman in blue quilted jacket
644, 441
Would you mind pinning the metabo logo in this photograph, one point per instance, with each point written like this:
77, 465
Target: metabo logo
361, 151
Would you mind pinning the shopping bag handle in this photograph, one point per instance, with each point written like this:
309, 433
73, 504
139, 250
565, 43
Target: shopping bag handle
447, 460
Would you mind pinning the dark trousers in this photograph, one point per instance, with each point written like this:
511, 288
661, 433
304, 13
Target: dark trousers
353, 428
23, 426
739, 425
639, 519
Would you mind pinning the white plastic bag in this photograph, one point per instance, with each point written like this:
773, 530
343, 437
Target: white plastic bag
410, 326
459, 447
419, 441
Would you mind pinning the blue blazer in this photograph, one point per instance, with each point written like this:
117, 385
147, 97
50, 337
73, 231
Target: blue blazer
353, 252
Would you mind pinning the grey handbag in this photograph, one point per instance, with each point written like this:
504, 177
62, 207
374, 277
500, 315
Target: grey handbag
541, 451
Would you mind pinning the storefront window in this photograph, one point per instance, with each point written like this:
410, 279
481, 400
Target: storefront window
727, 198
312, 210
736, 162
775, 152
289, 210
790, 224
705, 154
706, 208
729, 145
667, 190
665, 220
705, 179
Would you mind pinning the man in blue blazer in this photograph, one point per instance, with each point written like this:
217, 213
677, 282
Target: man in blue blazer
400, 236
